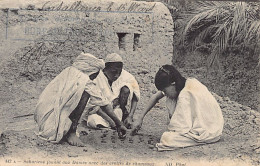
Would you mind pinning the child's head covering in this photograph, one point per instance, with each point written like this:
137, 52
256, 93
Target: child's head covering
114, 57
88, 63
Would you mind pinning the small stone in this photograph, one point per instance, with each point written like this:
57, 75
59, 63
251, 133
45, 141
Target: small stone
252, 113
256, 120
226, 99
151, 146
154, 91
257, 151
240, 105
143, 71
72, 155
246, 108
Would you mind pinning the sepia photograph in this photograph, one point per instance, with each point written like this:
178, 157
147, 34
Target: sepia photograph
129, 83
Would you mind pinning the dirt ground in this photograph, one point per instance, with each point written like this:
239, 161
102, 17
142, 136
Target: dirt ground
239, 145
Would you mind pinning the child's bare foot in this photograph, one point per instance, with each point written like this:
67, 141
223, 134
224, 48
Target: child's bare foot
74, 140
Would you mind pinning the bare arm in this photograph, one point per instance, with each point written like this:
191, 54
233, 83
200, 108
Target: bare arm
109, 111
129, 120
153, 100
121, 129
77, 112
106, 117
133, 106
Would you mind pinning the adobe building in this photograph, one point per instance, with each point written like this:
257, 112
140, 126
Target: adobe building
141, 32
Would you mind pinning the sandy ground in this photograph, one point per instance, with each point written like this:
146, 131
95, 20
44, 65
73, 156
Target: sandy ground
238, 145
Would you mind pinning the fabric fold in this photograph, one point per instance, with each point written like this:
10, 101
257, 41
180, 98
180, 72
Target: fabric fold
197, 118
62, 95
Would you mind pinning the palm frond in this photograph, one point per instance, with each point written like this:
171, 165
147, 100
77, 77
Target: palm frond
210, 13
222, 40
239, 22
198, 18
203, 34
253, 31
212, 58
225, 23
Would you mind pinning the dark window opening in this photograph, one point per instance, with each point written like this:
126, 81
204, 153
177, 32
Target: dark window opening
136, 41
121, 40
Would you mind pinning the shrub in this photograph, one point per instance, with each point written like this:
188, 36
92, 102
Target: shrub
223, 25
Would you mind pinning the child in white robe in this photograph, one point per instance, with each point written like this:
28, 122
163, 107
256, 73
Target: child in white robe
63, 100
122, 91
195, 116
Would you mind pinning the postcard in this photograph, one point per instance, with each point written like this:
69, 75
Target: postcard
81, 83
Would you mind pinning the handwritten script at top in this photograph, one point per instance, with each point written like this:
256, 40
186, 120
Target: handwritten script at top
111, 7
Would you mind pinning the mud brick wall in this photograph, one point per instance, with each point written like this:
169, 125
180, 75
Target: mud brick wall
56, 32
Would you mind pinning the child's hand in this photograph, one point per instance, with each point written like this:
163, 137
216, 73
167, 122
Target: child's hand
128, 122
121, 130
115, 102
136, 126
